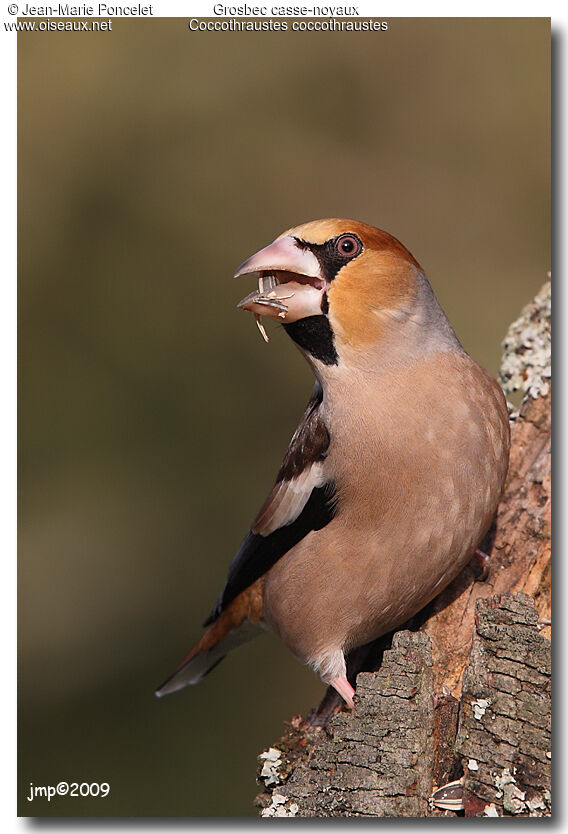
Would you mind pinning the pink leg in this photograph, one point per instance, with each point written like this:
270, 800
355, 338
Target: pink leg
342, 685
483, 562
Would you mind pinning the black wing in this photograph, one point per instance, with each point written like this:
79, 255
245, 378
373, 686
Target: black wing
302, 500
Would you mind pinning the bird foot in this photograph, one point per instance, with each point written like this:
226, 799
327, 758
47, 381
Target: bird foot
331, 705
483, 562
342, 685
339, 694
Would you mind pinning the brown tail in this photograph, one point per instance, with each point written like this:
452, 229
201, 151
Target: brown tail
238, 623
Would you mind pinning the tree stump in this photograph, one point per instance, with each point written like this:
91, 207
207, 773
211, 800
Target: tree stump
463, 693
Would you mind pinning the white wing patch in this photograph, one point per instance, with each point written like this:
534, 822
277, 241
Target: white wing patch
288, 499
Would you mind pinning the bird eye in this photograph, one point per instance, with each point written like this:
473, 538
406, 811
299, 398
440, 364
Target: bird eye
348, 245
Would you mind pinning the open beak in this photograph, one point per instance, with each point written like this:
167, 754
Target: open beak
290, 282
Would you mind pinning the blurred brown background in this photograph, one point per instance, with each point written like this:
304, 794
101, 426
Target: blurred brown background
152, 418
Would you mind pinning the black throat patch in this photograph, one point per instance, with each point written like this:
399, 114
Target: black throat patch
314, 335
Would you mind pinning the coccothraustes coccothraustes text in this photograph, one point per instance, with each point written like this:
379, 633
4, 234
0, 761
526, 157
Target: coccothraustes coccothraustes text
394, 474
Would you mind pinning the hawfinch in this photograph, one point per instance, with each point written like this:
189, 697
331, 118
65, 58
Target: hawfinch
394, 473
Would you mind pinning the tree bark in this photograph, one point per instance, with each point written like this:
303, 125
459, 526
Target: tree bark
463, 692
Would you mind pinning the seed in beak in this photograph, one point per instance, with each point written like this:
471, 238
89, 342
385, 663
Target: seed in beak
266, 283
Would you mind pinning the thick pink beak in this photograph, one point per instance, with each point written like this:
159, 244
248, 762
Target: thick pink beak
291, 284
282, 255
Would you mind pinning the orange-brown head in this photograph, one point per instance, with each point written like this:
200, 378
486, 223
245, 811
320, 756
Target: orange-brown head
341, 286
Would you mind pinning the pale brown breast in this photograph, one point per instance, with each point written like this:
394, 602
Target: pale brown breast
420, 458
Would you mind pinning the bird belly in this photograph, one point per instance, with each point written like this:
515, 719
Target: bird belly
343, 587
415, 498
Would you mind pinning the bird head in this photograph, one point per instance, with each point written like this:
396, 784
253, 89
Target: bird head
341, 287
